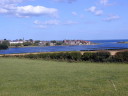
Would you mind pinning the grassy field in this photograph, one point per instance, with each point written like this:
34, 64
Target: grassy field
24, 77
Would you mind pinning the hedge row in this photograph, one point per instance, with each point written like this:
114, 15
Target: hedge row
101, 56
121, 56
69, 56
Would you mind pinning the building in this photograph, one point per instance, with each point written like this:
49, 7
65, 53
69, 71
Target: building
16, 42
76, 42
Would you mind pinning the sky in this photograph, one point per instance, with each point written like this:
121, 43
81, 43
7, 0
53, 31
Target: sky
63, 19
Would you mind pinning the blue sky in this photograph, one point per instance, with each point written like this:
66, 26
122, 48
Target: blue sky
63, 19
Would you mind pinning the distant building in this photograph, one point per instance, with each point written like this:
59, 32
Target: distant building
16, 42
76, 42
52, 44
43, 43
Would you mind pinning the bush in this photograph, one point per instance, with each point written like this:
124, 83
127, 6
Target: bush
111, 59
101, 56
3, 46
27, 43
31, 56
73, 56
121, 56
88, 56
16, 45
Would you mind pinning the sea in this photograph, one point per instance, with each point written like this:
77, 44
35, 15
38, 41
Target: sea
100, 45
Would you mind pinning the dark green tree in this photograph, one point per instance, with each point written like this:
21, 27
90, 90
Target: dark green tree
27, 43
53, 41
36, 43
6, 42
47, 44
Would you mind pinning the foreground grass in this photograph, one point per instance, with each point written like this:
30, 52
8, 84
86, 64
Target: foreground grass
24, 77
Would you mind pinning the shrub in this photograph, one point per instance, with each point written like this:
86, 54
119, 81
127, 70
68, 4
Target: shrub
73, 56
31, 56
3, 46
27, 43
88, 56
111, 59
44, 55
121, 56
101, 56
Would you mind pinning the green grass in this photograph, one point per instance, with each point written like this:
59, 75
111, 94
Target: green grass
24, 77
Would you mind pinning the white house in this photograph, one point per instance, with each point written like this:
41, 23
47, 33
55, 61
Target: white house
16, 42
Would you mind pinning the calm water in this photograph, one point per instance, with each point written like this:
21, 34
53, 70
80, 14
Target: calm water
103, 44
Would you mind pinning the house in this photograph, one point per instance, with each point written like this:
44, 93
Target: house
16, 42
76, 42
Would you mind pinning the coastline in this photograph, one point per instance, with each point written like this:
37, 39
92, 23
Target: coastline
123, 42
108, 46
49, 46
22, 46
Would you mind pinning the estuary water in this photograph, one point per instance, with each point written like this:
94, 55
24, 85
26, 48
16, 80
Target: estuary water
101, 45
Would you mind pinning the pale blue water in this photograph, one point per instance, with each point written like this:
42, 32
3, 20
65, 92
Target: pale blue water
103, 44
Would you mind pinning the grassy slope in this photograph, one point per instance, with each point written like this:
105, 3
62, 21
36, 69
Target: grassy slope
23, 77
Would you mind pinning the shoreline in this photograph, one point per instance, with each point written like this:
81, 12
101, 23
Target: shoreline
45, 46
123, 42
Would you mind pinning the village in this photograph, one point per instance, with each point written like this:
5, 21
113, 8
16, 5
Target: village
31, 42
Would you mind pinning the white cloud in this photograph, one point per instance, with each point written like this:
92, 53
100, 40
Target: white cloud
94, 10
4, 11
10, 7
99, 12
27, 11
112, 17
45, 24
105, 3
78, 15
48, 23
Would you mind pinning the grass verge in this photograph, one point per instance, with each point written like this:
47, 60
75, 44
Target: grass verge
24, 77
